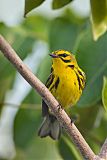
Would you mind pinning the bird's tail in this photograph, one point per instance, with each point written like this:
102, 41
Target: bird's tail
50, 127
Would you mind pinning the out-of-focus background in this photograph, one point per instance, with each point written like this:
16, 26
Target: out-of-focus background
42, 31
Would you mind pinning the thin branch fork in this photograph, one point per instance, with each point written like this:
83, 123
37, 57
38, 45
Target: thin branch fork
60, 114
103, 152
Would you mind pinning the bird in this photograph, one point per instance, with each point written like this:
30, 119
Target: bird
66, 83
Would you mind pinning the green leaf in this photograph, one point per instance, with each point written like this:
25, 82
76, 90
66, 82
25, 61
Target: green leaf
104, 93
21, 41
67, 149
31, 4
99, 17
59, 4
26, 125
63, 34
92, 58
82, 114
41, 149
99, 133
4, 86
36, 26
26, 137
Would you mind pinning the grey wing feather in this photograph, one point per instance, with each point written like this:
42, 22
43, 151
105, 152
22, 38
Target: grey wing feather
45, 109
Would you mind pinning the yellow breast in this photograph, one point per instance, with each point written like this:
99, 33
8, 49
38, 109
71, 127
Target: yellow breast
67, 92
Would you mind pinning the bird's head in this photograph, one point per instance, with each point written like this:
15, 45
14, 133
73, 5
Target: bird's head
63, 58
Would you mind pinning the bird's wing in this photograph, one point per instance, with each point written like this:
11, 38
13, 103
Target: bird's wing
45, 109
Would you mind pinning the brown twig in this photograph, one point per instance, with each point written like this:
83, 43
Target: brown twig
103, 152
61, 115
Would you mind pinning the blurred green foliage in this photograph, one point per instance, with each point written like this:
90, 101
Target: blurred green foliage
31, 4
99, 19
104, 93
64, 32
56, 4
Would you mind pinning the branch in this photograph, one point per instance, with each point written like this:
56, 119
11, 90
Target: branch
103, 152
61, 115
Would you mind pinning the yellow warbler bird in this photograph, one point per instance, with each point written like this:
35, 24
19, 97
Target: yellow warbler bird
66, 82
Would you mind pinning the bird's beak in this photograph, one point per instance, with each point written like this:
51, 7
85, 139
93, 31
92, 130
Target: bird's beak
53, 55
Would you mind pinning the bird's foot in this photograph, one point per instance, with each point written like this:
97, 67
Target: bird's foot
59, 107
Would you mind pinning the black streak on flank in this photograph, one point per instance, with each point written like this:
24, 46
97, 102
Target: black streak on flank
71, 66
56, 83
80, 73
82, 78
79, 82
50, 80
52, 87
74, 83
51, 69
78, 78
66, 60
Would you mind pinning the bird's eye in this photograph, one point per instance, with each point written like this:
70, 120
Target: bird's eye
63, 55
